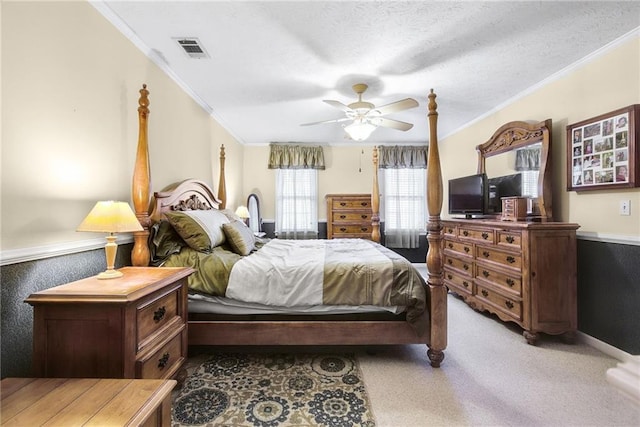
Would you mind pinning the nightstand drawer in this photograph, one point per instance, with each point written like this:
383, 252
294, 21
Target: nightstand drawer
164, 362
154, 315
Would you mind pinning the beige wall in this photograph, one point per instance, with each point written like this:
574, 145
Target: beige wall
604, 84
70, 83
349, 169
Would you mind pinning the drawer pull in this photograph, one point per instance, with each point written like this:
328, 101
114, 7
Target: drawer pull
509, 304
511, 259
343, 229
466, 249
158, 315
485, 236
364, 229
364, 204
465, 284
343, 204
485, 273
485, 293
162, 362
486, 254
450, 245
465, 266
449, 261
450, 230
449, 276
343, 216
510, 282
465, 233
510, 239
364, 216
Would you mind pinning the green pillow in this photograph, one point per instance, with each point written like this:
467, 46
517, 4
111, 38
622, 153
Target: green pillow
201, 229
240, 237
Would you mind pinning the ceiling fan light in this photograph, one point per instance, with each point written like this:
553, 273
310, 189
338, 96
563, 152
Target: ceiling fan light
359, 130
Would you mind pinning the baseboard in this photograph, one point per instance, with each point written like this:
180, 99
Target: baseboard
625, 377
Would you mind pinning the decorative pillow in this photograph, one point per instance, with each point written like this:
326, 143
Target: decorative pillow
231, 215
164, 242
201, 230
240, 237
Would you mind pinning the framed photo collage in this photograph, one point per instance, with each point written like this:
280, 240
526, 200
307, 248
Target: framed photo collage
601, 152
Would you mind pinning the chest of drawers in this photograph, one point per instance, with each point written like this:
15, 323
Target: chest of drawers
522, 272
130, 327
349, 216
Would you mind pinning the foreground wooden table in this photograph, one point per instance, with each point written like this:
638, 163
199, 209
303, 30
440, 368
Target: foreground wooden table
86, 402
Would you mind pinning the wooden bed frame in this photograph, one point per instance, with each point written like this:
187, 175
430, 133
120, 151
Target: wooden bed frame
301, 331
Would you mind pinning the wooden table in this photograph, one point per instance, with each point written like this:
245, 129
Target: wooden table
87, 402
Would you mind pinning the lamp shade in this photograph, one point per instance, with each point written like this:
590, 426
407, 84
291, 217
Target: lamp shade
243, 212
111, 217
360, 129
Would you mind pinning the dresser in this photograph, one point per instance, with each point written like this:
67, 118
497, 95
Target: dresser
349, 216
523, 272
134, 326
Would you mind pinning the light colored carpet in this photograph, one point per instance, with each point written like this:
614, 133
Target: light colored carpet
492, 377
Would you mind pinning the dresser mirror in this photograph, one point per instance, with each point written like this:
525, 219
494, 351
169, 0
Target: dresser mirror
255, 220
518, 155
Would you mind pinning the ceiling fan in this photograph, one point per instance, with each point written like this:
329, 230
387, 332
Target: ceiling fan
367, 117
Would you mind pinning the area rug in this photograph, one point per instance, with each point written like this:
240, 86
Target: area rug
272, 390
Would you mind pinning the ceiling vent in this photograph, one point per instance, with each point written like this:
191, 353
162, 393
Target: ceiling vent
192, 47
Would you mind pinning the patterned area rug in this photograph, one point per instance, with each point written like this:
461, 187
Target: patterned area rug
272, 390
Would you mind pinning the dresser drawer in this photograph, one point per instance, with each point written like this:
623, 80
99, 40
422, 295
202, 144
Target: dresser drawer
153, 315
163, 362
351, 204
510, 306
511, 239
463, 265
476, 234
511, 283
351, 217
351, 229
458, 282
459, 247
508, 259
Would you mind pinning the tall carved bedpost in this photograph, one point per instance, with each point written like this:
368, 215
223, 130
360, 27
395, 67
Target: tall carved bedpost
222, 185
141, 185
375, 200
438, 292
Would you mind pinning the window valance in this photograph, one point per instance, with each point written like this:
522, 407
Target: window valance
289, 156
528, 159
403, 156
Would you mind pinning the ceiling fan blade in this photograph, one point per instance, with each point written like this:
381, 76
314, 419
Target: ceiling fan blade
339, 105
344, 119
394, 107
390, 123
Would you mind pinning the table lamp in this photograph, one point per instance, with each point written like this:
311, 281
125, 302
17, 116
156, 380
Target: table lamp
243, 213
110, 217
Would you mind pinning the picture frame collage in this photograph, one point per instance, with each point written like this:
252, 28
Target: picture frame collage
601, 151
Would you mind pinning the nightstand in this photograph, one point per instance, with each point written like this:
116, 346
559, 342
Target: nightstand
130, 327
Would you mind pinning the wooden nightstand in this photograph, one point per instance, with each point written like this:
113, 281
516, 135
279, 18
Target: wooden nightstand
86, 402
131, 327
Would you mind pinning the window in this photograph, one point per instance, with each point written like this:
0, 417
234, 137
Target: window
530, 183
404, 199
297, 203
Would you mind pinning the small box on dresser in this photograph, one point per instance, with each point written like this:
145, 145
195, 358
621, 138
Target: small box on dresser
524, 272
349, 216
134, 326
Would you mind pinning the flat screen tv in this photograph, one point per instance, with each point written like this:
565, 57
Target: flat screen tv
468, 195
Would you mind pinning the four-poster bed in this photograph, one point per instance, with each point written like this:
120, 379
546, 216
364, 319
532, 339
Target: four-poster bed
301, 329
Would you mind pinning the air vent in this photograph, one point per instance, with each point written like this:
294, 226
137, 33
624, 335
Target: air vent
192, 47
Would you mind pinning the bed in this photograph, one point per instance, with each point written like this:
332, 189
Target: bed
421, 322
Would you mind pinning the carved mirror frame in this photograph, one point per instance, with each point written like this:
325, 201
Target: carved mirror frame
255, 217
515, 135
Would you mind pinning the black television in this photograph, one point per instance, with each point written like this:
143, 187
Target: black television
468, 195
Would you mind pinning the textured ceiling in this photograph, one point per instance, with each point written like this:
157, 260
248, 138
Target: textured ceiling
272, 63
